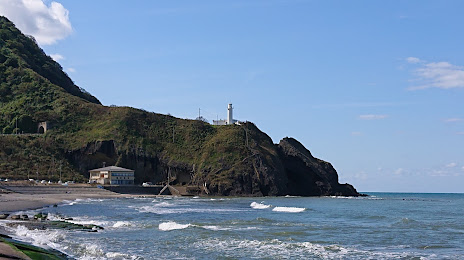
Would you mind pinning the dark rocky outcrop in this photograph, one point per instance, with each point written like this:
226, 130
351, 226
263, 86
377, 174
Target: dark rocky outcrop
309, 176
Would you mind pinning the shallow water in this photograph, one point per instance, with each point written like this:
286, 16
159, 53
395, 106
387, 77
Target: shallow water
382, 226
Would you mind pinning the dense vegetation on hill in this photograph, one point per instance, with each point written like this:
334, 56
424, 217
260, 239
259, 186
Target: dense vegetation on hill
231, 160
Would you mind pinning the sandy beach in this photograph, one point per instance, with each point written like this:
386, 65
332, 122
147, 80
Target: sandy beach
14, 202
23, 196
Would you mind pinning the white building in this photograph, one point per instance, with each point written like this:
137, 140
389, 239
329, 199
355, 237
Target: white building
112, 175
230, 118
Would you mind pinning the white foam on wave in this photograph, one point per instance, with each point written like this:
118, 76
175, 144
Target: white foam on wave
288, 209
87, 221
354, 198
41, 238
171, 225
289, 250
58, 240
69, 202
163, 204
118, 224
256, 205
216, 228
84, 220
76, 201
290, 196
88, 251
93, 251
166, 208
116, 255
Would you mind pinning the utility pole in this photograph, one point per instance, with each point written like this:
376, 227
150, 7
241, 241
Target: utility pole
16, 129
246, 134
60, 172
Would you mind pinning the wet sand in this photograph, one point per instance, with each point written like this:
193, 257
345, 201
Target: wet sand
17, 197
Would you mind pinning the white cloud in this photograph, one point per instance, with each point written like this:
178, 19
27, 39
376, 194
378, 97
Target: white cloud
57, 57
442, 75
439, 173
47, 24
399, 171
451, 120
372, 117
72, 70
451, 165
413, 60
356, 133
460, 133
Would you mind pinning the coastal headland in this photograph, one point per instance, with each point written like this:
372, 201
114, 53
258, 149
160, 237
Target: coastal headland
54, 130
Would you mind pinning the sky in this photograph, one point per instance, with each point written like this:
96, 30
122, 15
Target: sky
374, 87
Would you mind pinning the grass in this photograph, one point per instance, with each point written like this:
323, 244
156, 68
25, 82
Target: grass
33, 88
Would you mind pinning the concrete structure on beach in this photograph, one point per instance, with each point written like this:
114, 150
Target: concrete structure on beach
112, 175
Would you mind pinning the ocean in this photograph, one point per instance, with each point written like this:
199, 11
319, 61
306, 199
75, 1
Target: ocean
381, 226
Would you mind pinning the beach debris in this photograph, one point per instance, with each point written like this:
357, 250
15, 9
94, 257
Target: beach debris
4, 216
15, 217
24, 217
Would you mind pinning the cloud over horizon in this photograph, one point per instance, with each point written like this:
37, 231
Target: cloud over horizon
372, 117
442, 74
452, 120
47, 24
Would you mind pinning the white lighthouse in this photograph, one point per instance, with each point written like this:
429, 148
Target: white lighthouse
230, 118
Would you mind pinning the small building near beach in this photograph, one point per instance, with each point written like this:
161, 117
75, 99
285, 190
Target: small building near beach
112, 175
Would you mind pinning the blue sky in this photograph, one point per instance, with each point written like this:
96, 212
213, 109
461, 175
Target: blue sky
374, 87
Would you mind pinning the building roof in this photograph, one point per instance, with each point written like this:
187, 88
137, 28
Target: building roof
112, 169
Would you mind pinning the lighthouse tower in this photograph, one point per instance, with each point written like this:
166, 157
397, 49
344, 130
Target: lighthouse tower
230, 118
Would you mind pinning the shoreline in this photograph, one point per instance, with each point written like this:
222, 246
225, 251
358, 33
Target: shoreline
14, 202
16, 197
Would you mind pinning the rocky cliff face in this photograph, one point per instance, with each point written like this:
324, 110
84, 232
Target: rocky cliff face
309, 176
291, 170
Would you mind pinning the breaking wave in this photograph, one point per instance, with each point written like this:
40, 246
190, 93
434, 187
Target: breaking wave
169, 208
171, 225
288, 209
256, 205
276, 249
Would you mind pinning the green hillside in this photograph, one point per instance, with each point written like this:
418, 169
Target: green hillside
231, 160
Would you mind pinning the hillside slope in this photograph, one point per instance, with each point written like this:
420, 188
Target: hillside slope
232, 160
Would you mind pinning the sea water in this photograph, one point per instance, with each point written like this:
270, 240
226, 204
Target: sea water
381, 226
